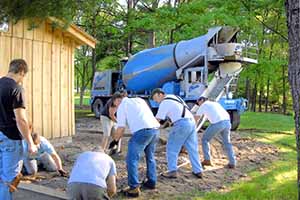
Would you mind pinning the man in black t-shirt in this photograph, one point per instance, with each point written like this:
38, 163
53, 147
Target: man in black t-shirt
13, 127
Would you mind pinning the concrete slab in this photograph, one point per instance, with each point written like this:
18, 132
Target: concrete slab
37, 192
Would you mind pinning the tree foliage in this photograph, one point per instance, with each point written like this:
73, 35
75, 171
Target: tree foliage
123, 28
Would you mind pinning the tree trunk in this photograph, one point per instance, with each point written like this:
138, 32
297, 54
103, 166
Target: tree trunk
77, 84
293, 14
284, 99
151, 39
82, 87
130, 5
268, 94
247, 89
260, 99
254, 93
94, 53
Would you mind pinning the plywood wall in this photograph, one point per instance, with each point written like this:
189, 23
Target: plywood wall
49, 83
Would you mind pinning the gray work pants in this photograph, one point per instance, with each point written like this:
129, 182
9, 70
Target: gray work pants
45, 159
86, 191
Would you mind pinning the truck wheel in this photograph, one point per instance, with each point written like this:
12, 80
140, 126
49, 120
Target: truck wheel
234, 119
97, 106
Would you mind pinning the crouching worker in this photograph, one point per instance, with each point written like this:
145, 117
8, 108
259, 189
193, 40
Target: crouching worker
45, 157
135, 113
93, 176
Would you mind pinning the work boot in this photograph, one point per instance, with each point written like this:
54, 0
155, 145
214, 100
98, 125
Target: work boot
169, 174
206, 162
148, 185
14, 184
198, 175
230, 166
131, 192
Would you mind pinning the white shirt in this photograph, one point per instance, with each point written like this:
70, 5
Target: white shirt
136, 113
172, 109
213, 111
93, 167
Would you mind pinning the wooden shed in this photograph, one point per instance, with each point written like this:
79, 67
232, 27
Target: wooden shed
49, 85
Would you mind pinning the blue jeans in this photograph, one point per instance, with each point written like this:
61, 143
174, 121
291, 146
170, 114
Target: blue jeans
10, 163
223, 128
184, 134
142, 140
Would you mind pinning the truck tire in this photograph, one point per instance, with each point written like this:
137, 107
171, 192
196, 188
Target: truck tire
234, 119
97, 107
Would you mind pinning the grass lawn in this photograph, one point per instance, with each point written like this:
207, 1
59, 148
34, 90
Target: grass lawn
278, 181
86, 100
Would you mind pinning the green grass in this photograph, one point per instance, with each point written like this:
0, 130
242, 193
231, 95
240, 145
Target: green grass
86, 100
81, 113
279, 180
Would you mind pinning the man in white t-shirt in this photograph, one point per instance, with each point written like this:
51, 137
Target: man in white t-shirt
136, 113
219, 124
93, 176
183, 132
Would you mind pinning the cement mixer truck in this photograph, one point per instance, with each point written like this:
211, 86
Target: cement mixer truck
208, 65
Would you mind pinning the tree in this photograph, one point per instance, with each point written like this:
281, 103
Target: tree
31, 9
293, 24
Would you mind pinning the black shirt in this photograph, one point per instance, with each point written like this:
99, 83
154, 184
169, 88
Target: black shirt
105, 110
11, 97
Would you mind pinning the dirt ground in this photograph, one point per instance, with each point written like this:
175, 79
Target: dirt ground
250, 155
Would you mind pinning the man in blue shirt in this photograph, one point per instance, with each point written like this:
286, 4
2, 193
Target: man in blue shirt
45, 156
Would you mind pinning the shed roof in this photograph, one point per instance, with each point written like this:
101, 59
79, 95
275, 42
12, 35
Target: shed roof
80, 36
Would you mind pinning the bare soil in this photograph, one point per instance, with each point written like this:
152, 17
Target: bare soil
250, 154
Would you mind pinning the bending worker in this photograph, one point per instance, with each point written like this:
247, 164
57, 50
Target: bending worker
93, 176
183, 132
108, 122
144, 128
219, 124
46, 157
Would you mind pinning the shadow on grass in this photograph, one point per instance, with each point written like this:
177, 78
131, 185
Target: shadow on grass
276, 181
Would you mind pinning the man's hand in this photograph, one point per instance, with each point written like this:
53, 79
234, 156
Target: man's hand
62, 173
32, 149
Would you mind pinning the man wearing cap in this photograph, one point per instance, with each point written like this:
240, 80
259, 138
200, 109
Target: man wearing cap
183, 132
219, 124
136, 113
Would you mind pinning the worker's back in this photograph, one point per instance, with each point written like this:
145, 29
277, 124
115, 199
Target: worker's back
93, 167
213, 111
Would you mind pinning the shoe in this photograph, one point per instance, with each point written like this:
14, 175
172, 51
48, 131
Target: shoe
147, 185
230, 166
206, 162
131, 192
169, 174
198, 175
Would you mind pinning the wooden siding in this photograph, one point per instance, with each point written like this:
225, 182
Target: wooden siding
49, 83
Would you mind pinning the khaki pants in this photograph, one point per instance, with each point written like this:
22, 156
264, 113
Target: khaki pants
108, 127
86, 191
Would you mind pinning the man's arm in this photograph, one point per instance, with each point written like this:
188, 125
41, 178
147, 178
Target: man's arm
112, 113
23, 127
111, 185
119, 133
57, 161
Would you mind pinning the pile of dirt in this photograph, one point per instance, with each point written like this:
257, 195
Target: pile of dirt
250, 155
